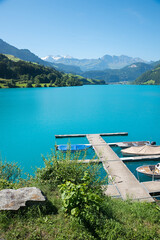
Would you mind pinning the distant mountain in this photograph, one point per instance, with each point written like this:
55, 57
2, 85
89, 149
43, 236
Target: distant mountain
107, 61
154, 64
67, 68
129, 73
151, 77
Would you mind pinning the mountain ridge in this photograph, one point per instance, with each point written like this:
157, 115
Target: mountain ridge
27, 55
23, 54
107, 61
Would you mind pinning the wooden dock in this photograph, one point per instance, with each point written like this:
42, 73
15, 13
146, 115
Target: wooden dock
124, 182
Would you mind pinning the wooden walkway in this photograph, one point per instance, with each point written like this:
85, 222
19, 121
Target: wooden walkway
124, 182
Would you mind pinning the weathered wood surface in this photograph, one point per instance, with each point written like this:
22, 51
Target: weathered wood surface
84, 135
152, 186
124, 180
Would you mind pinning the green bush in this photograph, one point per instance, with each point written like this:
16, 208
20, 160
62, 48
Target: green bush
10, 173
83, 202
59, 168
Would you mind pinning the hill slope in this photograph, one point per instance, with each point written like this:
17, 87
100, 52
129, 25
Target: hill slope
23, 54
26, 55
129, 73
150, 77
18, 73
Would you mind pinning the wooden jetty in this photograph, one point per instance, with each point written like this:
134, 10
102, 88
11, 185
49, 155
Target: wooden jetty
84, 135
124, 184
124, 181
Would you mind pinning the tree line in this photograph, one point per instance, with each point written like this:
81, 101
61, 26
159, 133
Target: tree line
32, 73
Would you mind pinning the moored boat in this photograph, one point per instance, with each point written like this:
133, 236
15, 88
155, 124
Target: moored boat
150, 170
134, 144
141, 150
73, 147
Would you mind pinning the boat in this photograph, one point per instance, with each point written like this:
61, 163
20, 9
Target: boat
150, 170
134, 144
73, 147
141, 150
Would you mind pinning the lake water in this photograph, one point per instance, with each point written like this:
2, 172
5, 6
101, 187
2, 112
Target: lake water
29, 118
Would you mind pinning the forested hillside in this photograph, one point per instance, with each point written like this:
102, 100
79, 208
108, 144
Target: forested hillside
26, 74
150, 77
126, 74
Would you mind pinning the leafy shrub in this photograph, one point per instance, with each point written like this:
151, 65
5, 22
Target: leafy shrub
80, 200
9, 171
59, 168
9, 174
29, 84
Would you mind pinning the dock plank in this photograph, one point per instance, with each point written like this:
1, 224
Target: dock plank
152, 186
141, 158
84, 135
112, 191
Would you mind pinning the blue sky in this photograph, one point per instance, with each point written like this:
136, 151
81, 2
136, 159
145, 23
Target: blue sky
83, 28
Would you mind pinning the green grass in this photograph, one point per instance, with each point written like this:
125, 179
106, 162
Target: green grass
116, 219
150, 82
22, 84
13, 58
127, 220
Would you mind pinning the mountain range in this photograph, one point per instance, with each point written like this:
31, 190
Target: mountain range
109, 68
105, 62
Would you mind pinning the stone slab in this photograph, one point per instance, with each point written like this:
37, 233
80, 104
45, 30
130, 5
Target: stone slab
11, 199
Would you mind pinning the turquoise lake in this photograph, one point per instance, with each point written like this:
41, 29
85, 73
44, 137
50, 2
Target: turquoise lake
29, 118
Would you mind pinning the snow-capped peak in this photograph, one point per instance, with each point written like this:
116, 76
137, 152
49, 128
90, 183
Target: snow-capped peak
52, 58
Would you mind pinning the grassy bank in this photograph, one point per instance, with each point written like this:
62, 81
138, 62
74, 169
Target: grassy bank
76, 207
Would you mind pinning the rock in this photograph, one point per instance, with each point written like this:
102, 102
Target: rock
11, 199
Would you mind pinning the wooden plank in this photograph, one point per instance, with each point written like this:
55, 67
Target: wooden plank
84, 135
114, 134
141, 158
112, 191
70, 135
152, 186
